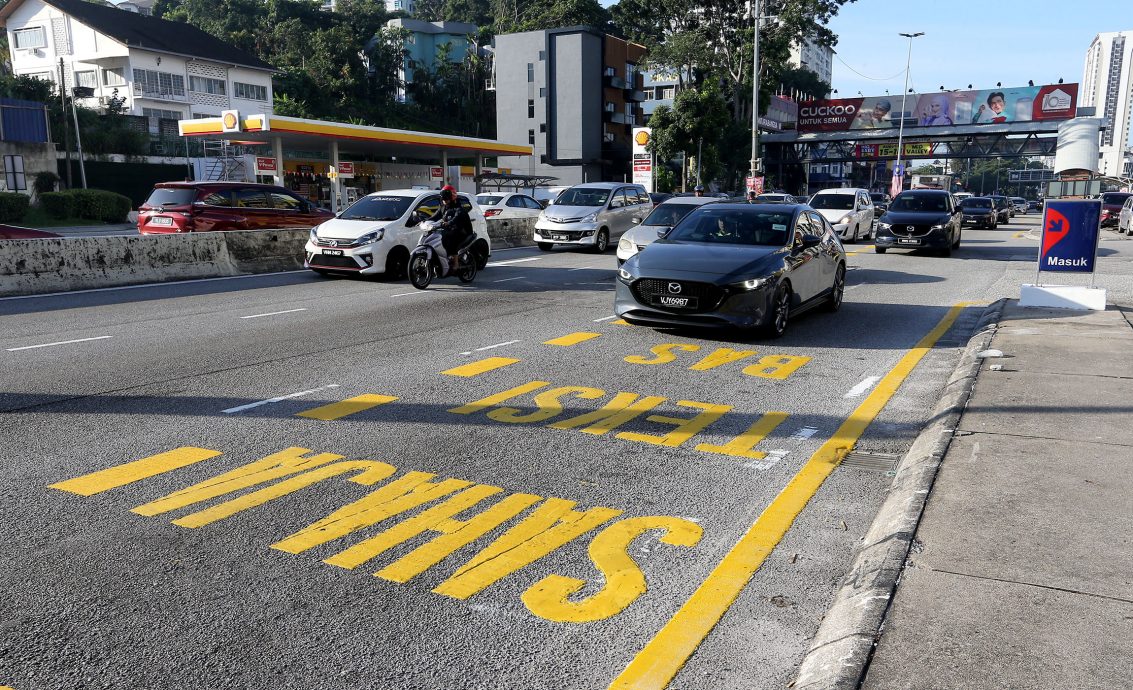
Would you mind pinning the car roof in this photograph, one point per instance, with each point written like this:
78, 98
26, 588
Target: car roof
689, 201
924, 191
603, 185
840, 190
215, 184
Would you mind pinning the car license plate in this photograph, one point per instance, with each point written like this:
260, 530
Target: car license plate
562, 238
674, 302
907, 240
160, 220
332, 252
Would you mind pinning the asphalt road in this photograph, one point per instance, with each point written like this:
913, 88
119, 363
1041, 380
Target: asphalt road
504, 487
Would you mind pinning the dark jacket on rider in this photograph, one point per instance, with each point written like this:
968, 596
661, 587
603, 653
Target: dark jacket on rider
456, 225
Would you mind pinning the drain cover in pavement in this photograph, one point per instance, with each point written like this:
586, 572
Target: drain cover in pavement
873, 462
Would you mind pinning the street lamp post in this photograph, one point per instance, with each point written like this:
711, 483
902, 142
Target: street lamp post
755, 14
899, 174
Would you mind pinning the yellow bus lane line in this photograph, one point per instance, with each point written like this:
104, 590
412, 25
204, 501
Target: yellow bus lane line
344, 408
658, 662
480, 366
573, 339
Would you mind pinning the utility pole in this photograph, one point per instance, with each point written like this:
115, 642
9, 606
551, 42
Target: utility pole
86, 92
898, 173
66, 129
756, 164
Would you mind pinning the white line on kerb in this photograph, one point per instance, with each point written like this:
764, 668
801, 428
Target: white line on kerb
605, 318
274, 313
862, 387
490, 347
249, 406
507, 279
63, 342
513, 261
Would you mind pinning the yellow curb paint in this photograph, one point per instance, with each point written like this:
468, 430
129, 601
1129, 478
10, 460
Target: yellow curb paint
347, 407
657, 664
573, 339
111, 478
476, 368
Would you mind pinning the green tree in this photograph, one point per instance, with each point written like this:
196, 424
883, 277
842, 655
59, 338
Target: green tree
693, 122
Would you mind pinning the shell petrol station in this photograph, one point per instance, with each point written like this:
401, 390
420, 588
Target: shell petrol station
349, 160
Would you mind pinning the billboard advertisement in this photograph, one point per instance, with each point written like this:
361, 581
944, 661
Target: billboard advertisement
642, 159
984, 106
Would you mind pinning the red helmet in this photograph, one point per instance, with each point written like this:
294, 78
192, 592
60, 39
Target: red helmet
448, 191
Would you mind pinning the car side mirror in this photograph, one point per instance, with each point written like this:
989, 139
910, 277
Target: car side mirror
663, 232
414, 219
635, 220
810, 241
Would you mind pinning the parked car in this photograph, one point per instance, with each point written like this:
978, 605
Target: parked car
920, 219
1125, 217
505, 205
15, 232
1111, 206
1004, 206
979, 211
849, 210
662, 219
209, 206
376, 233
591, 215
546, 195
1020, 204
735, 265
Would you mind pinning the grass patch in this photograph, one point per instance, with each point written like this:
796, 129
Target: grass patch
37, 218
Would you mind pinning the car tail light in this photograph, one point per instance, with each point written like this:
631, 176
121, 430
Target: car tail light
492, 212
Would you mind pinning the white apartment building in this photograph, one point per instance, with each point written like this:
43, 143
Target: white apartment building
152, 67
1107, 86
815, 57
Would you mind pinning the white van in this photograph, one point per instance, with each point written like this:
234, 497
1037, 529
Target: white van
377, 232
592, 214
546, 195
849, 210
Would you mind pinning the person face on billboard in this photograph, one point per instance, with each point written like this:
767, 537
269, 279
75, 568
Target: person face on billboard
994, 110
877, 117
936, 113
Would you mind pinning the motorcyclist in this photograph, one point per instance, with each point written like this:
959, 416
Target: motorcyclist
456, 225
699, 190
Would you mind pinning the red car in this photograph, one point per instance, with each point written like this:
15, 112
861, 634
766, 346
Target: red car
1111, 206
15, 232
206, 206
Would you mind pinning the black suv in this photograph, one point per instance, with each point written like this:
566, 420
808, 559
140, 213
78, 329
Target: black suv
979, 211
1004, 209
920, 219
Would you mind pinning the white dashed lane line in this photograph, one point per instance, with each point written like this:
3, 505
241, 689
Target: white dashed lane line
490, 347
62, 342
274, 313
862, 387
241, 408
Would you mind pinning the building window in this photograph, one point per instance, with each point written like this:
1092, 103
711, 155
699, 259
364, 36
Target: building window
531, 137
14, 173
114, 76
86, 78
609, 72
530, 108
669, 92
203, 116
29, 39
207, 85
543, 127
610, 107
542, 92
43, 76
161, 114
530, 73
542, 55
631, 75
251, 92
150, 83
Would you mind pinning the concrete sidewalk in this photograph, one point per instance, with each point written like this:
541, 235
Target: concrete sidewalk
1020, 573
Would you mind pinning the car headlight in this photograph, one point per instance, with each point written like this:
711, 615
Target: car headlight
846, 218
883, 225
315, 234
593, 217
939, 227
625, 275
752, 284
624, 245
371, 237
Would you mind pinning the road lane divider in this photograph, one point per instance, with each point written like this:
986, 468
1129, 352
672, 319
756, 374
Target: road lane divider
509, 262
61, 342
346, 407
656, 665
274, 313
545, 525
280, 398
480, 367
491, 347
573, 339
862, 387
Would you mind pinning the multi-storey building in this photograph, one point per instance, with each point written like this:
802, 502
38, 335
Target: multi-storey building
815, 57
660, 89
1107, 86
425, 43
574, 94
143, 65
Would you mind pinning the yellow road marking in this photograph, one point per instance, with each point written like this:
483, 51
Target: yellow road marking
573, 339
111, 478
1019, 235
657, 664
347, 407
621, 322
476, 368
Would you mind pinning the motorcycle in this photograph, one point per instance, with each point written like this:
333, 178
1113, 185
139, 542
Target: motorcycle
428, 259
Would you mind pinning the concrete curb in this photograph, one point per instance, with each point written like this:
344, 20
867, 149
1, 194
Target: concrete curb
843, 645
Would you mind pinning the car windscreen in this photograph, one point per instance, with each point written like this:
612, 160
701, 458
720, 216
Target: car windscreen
488, 199
1116, 199
668, 214
837, 202
582, 196
975, 203
919, 202
377, 208
749, 226
171, 196
877, 198
772, 197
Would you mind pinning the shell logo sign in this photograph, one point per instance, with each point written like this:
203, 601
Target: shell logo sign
230, 121
641, 137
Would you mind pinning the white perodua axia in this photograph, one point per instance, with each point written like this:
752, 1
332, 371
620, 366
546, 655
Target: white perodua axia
376, 233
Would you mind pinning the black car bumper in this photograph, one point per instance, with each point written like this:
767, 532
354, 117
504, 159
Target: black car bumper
736, 309
934, 239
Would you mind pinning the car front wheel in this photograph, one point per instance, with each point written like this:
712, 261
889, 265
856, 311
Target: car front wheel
837, 290
545, 246
602, 241
776, 324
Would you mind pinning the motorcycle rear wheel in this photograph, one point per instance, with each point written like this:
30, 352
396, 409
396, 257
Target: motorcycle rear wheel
420, 272
467, 272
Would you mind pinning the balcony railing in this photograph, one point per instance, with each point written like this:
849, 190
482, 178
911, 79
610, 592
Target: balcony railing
614, 82
141, 91
615, 117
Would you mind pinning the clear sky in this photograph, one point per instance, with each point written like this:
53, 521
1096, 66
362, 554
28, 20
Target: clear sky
977, 42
